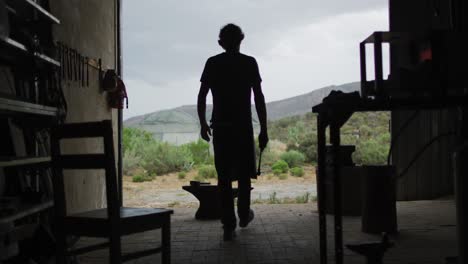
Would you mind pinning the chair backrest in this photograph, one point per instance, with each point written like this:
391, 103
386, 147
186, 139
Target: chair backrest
106, 161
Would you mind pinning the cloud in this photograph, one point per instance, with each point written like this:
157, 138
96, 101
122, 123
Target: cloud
318, 54
146, 97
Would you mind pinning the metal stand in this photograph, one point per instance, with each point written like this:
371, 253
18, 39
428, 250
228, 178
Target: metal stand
334, 113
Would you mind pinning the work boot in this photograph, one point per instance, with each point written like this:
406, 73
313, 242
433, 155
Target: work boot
244, 222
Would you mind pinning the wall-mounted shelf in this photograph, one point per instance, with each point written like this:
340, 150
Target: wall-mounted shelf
25, 210
11, 106
30, 52
42, 11
13, 6
11, 10
12, 48
24, 161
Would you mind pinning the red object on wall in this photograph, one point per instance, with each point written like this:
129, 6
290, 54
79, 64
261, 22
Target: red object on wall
425, 55
117, 97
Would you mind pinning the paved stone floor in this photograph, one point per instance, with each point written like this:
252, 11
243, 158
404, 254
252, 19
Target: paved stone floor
289, 234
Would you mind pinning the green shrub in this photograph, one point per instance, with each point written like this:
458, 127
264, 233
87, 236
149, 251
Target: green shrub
162, 158
138, 178
283, 176
303, 198
131, 161
181, 175
300, 133
293, 158
142, 177
297, 171
207, 172
272, 199
280, 166
141, 150
198, 178
277, 172
133, 139
200, 152
373, 151
308, 146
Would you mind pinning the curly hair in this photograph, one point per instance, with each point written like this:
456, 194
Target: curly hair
231, 35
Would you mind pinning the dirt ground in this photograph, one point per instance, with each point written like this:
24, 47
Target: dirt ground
166, 191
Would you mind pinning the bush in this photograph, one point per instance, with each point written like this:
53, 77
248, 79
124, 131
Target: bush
373, 151
200, 152
162, 158
138, 178
131, 161
303, 198
277, 172
280, 166
283, 176
293, 158
142, 177
272, 199
181, 175
308, 146
207, 172
133, 139
198, 178
297, 171
141, 150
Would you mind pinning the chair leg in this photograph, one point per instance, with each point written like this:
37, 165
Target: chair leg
115, 249
166, 241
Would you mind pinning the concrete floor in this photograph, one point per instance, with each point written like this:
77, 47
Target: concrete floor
289, 234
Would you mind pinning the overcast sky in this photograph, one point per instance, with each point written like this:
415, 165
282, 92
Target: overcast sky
300, 45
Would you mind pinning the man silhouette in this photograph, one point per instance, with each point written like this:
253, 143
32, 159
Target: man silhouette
232, 76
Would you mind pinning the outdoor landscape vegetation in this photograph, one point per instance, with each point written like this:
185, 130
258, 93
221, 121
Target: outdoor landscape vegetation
292, 147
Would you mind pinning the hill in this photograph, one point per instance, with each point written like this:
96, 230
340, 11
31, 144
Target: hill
180, 125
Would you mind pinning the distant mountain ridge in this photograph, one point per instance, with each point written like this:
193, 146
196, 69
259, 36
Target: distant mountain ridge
180, 125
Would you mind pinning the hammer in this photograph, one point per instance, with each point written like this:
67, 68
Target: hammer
259, 171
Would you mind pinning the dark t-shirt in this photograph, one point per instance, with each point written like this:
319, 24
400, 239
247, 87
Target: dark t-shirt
230, 77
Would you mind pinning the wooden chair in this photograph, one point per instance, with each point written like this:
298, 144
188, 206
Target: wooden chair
112, 222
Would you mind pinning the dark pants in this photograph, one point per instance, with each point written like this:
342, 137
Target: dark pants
228, 217
234, 160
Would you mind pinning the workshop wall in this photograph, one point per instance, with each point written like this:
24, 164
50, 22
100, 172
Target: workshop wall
88, 26
431, 176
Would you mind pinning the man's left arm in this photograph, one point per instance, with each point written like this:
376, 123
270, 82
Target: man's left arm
259, 104
262, 115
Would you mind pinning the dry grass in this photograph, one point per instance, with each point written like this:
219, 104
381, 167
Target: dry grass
144, 194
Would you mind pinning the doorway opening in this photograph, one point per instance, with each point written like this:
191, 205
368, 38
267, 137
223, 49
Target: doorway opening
302, 58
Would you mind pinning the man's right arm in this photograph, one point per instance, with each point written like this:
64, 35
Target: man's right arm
205, 130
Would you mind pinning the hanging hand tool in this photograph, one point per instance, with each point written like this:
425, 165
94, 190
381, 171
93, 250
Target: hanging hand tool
69, 64
75, 64
60, 73
60, 55
64, 52
79, 69
87, 72
72, 64
82, 71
